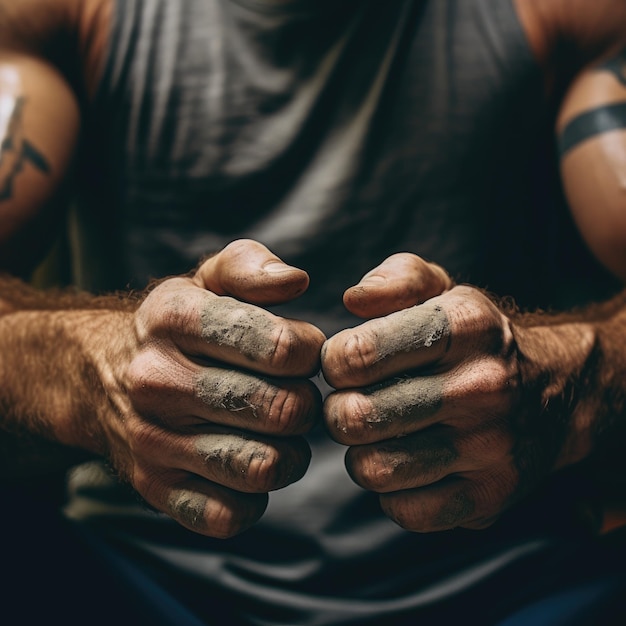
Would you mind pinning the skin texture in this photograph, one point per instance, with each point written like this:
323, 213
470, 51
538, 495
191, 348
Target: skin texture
175, 399
202, 424
594, 169
454, 430
498, 401
452, 406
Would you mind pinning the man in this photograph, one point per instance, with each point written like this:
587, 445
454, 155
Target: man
309, 142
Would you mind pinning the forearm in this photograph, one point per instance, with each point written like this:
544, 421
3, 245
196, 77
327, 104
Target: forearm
55, 350
576, 364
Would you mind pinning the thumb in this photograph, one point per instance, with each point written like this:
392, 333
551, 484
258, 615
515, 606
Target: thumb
401, 281
247, 270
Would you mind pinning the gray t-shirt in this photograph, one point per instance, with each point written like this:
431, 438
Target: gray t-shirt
336, 133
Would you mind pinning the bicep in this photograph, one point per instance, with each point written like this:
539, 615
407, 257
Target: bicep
591, 133
39, 126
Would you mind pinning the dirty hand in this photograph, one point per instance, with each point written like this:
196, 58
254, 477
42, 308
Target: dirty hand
443, 398
212, 405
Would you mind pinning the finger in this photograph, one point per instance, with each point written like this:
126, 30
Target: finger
240, 461
384, 347
179, 394
204, 507
405, 463
202, 324
469, 397
452, 503
429, 456
401, 281
261, 405
435, 335
248, 271
224, 456
380, 412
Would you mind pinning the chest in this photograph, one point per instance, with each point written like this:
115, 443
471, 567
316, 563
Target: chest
414, 126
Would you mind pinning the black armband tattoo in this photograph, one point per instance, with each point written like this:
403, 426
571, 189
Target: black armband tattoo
617, 66
591, 123
16, 151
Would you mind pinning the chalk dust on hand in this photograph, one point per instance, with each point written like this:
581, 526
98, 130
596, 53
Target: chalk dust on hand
226, 322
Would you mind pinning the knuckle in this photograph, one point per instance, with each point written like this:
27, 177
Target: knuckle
495, 379
489, 385
285, 348
166, 308
289, 412
148, 377
348, 356
360, 353
264, 469
348, 415
141, 377
476, 315
277, 467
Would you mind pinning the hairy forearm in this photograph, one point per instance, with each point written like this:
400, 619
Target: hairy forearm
576, 363
55, 347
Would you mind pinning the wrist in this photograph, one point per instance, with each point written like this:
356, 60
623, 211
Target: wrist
557, 361
105, 341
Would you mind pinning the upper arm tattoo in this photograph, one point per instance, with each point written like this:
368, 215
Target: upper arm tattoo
601, 119
594, 122
15, 149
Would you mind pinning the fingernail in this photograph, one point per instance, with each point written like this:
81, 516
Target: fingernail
372, 280
277, 267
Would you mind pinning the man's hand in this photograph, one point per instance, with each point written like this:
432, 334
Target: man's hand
211, 405
452, 411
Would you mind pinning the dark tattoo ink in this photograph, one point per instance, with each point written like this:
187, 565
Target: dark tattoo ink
595, 122
617, 66
16, 151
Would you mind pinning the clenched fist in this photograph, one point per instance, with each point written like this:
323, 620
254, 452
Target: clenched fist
212, 399
452, 410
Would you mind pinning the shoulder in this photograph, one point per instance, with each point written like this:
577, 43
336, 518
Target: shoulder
567, 35
71, 34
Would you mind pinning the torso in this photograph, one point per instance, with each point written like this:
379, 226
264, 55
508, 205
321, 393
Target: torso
232, 179
538, 18
429, 141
